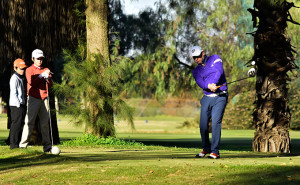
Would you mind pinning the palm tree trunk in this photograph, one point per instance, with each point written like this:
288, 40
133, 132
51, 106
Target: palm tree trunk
274, 58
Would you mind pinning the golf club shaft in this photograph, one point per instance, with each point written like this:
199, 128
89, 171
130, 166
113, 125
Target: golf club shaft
48, 101
234, 81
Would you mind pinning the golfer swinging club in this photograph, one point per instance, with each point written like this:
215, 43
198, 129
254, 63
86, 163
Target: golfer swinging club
209, 74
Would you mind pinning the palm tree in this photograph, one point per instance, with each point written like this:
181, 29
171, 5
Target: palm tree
274, 58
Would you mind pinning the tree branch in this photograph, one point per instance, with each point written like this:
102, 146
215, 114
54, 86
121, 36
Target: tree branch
182, 63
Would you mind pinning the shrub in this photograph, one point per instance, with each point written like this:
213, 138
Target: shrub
89, 139
239, 110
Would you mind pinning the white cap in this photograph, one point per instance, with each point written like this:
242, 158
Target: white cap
37, 53
195, 51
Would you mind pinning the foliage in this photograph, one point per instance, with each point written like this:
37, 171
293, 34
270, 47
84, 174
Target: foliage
191, 123
218, 30
293, 32
220, 27
146, 26
85, 87
157, 75
238, 113
294, 106
89, 139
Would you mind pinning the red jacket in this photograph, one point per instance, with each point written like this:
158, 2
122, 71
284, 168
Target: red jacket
36, 87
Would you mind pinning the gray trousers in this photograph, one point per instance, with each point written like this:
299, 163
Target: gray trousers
36, 107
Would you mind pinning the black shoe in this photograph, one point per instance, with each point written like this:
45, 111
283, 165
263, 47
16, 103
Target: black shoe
48, 150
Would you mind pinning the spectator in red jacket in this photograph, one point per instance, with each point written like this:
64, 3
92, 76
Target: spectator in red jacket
37, 78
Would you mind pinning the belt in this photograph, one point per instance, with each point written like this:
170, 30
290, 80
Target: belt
216, 94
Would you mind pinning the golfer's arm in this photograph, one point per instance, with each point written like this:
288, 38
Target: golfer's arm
200, 82
219, 71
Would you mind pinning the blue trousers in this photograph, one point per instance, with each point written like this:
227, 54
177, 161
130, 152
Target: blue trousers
212, 107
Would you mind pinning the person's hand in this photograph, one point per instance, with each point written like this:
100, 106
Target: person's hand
212, 87
46, 74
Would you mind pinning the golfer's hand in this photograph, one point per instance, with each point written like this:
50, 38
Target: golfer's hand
212, 87
46, 74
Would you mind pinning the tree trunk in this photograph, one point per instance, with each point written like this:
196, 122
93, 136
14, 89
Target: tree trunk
274, 58
97, 27
97, 43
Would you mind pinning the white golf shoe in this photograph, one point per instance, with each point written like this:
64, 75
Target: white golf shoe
213, 156
201, 154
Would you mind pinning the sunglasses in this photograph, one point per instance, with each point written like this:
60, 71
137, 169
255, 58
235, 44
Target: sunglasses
195, 57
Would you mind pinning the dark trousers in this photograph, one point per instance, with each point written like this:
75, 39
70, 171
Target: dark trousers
17, 123
212, 108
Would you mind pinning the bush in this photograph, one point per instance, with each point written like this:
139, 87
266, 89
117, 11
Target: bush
190, 123
89, 139
239, 110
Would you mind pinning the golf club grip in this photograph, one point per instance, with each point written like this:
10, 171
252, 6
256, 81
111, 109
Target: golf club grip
219, 86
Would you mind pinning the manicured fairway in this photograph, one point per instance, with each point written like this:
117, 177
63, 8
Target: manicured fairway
166, 158
157, 165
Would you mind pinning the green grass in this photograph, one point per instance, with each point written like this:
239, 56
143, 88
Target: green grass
166, 158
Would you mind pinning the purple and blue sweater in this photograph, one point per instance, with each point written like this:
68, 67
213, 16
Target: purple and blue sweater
211, 71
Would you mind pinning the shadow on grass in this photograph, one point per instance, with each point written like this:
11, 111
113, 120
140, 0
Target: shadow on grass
257, 175
119, 155
28, 159
232, 144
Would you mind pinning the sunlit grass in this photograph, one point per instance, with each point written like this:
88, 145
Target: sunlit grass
167, 157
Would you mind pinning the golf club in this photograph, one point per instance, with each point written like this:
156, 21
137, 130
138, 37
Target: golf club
48, 102
251, 73
54, 149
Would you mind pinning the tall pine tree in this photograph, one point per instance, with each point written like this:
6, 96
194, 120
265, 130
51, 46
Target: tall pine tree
92, 77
